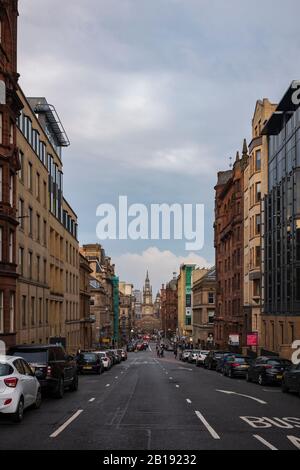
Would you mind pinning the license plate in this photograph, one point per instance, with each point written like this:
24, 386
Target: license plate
87, 367
279, 377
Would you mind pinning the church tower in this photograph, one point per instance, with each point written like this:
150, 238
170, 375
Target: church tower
10, 107
147, 307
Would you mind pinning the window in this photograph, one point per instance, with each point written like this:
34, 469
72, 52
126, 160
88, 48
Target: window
21, 213
38, 227
257, 256
38, 189
21, 172
1, 183
32, 311
11, 134
11, 246
21, 261
38, 267
258, 160
256, 288
45, 233
30, 265
211, 316
30, 221
258, 192
257, 224
1, 128
211, 298
23, 310
12, 312
11, 190
1, 246
29, 181
1, 311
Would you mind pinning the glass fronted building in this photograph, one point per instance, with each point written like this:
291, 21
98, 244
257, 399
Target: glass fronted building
282, 221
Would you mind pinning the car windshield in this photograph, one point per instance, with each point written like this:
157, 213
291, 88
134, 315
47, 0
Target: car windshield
36, 357
5, 369
89, 357
279, 362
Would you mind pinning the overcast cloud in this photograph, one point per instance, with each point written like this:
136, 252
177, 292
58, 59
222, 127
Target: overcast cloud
155, 97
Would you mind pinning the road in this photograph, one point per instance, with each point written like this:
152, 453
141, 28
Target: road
147, 403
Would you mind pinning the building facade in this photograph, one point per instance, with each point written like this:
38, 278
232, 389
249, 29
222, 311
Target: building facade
103, 271
10, 107
255, 188
204, 299
126, 310
47, 246
86, 319
281, 231
230, 323
137, 300
185, 313
169, 307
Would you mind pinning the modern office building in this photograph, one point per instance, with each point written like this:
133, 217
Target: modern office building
281, 231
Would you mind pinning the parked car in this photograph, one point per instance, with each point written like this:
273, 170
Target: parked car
117, 356
89, 362
185, 355
112, 357
123, 354
212, 359
105, 358
236, 366
221, 361
268, 370
130, 347
19, 387
201, 358
54, 369
193, 356
291, 380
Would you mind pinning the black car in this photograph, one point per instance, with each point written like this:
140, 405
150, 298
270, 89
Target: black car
89, 362
268, 370
211, 360
221, 361
54, 369
291, 380
236, 366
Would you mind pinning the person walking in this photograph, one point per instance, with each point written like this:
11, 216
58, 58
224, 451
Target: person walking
175, 352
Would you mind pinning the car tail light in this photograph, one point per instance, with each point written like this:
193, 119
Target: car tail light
11, 382
7, 402
49, 371
235, 364
268, 366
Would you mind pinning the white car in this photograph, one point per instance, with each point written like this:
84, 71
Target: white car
185, 354
106, 360
201, 358
19, 388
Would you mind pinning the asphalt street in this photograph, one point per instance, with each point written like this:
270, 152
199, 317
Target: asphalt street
147, 403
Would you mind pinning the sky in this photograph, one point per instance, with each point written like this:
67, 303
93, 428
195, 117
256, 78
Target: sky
155, 96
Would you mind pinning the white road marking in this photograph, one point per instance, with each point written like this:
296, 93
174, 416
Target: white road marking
228, 392
116, 377
92, 399
150, 348
189, 401
107, 385
177, 386
207, 425
185, 368
171, 378
294, 440
66, 424
264, 442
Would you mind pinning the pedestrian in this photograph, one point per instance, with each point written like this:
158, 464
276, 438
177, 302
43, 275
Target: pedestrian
175, 352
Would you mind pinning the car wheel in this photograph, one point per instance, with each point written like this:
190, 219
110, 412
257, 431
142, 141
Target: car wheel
74, 386
38, 400
19, 413
60, 389
248, 378
230, 374
261, 380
